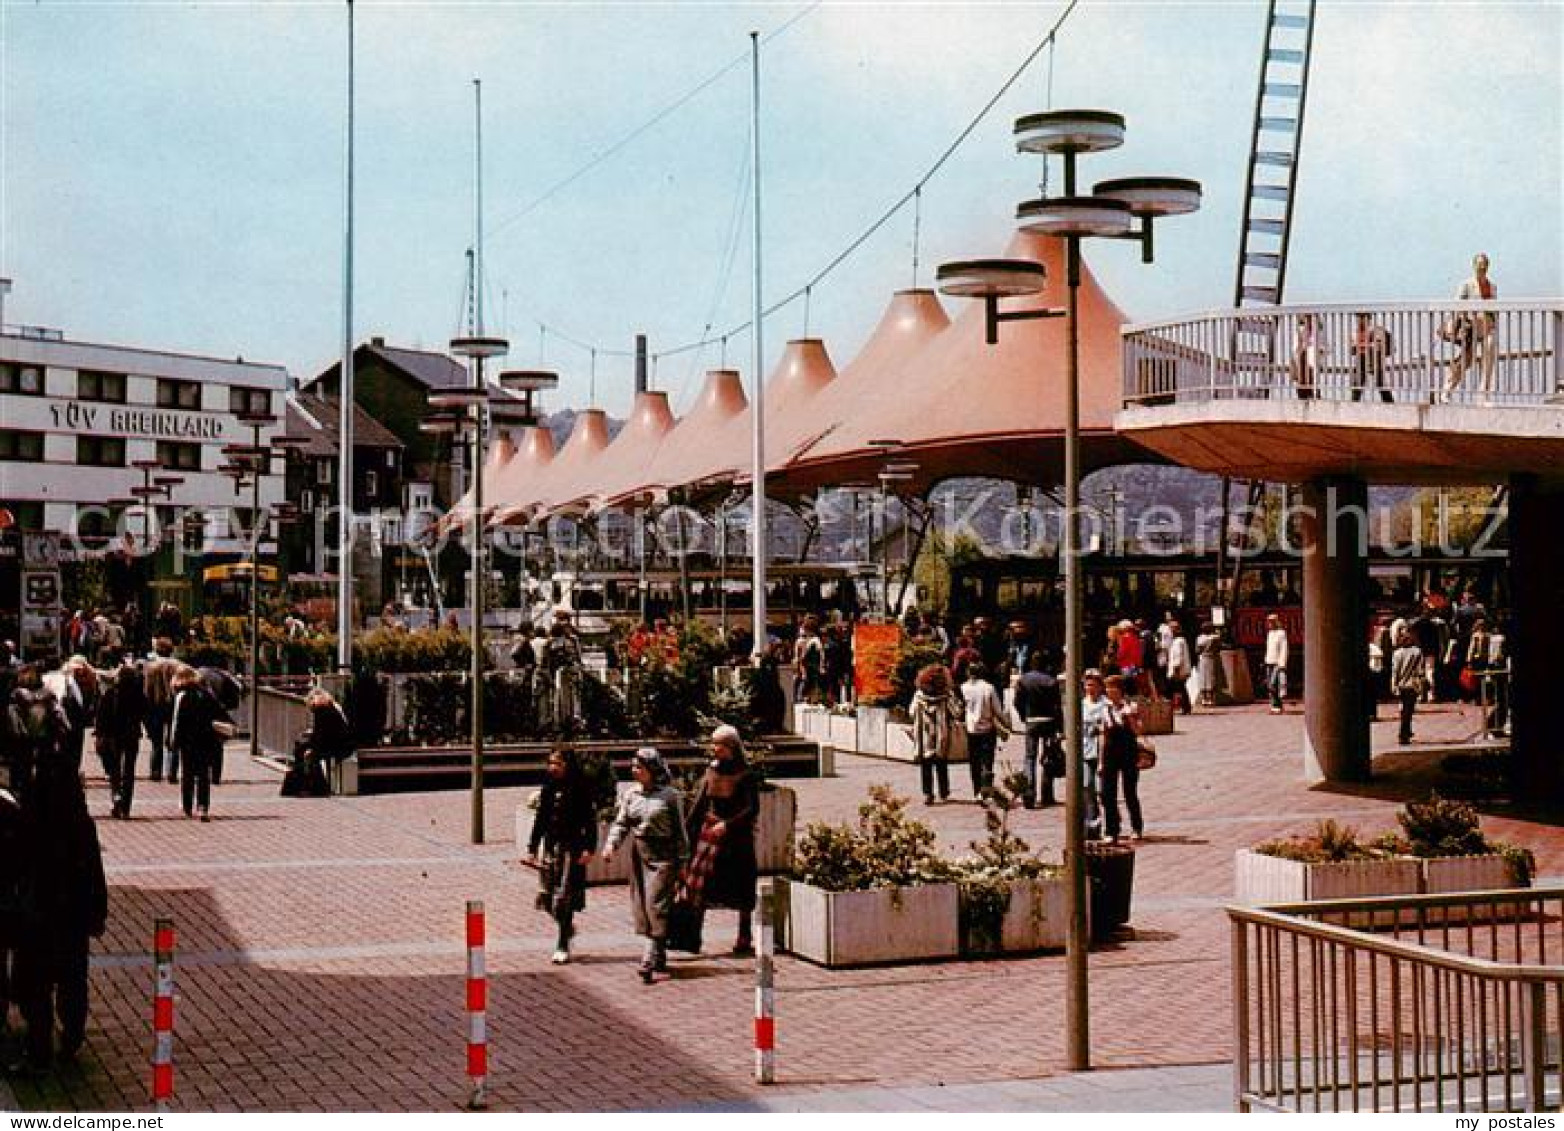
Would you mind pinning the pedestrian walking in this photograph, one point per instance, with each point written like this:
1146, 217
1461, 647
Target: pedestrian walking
157, 676
1119, 750
1407, 680
985, 722
1039, 706
195, 739
65, 901
1177, 666
37, 730
722, 816
651, 817
1276, 653
937, 715
1094, 709
122, 709
564, 836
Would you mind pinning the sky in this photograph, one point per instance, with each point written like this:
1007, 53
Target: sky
171, 175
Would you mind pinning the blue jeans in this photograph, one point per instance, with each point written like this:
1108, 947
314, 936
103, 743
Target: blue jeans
1276, 683
1038, 731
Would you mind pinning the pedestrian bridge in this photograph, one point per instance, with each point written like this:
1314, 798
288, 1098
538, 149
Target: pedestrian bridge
1299, 392
1339, 396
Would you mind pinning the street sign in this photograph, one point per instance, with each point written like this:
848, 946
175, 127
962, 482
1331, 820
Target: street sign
41, 614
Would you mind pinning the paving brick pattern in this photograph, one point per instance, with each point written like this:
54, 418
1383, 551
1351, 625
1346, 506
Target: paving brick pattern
321, 952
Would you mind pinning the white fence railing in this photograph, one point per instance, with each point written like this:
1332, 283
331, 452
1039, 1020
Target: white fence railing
1473, 353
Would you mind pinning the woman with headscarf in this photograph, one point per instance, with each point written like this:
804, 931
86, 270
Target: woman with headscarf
651, 817
936, 715
723, 818
565, 830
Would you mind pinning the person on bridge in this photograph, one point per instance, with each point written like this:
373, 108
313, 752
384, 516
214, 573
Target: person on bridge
1473, 334
1308, 346
1370, 351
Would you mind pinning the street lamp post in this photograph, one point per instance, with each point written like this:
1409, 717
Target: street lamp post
152, 487
470, 409
248, 464
1118, 209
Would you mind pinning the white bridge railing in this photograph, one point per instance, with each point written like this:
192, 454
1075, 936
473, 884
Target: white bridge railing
1402, 353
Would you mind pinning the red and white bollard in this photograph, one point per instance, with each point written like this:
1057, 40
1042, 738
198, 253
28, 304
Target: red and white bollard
477, 1009
163, 1014
765, 991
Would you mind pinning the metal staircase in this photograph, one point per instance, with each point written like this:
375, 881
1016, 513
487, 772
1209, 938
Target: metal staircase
1273, 153
1270, 191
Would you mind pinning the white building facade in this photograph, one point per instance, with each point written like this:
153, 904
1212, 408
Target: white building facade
75, 418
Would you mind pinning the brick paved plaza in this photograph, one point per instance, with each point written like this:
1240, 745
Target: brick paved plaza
321, 951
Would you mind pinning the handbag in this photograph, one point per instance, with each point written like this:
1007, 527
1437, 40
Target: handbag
1145, 755
685, 920
223, 730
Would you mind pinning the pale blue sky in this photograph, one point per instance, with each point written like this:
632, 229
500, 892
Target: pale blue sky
172, 173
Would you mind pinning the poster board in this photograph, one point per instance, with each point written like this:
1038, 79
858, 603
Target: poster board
874, 659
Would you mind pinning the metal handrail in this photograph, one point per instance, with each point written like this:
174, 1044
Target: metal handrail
1287, 917
1328, 1016
1259, 353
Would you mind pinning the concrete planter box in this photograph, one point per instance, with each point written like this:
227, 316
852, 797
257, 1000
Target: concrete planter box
1464, 873
898, 742
1156, 715
872, 725
1265, 880
773, 839
1037, 919
811, 722
860, 928
842, 731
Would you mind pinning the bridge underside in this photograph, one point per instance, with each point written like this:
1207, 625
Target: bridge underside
1296, 441
1334, 450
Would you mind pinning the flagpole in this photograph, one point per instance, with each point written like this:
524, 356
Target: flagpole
345, 404
757, 518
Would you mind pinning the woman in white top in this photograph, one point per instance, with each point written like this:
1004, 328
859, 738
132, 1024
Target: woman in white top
1275, 661
985, 726
1178, 665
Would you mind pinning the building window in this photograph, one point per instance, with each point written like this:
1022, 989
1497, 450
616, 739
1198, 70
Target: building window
100, 451
371, 485
23, 447
179, 457
96, 524
94, 386
323, 472
249, 402
178, 394
24, 379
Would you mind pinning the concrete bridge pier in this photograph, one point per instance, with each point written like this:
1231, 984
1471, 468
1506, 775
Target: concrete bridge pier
1536, 645
1335, 527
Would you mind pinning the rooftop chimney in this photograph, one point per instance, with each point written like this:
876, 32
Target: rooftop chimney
640, 364
378, 342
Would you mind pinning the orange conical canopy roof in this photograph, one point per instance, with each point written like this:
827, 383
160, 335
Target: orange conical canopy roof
623, 462
964, 407
586, 442
685, 452
533, 454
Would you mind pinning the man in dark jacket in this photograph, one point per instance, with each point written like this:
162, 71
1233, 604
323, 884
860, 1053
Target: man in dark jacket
36, 730
1038, 703
122, 708
64, 905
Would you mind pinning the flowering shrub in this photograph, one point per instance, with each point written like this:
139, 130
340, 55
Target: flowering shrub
886, 849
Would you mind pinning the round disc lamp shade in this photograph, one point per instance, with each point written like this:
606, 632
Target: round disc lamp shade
1069, 131
1152, 196
1074, 216
991, 278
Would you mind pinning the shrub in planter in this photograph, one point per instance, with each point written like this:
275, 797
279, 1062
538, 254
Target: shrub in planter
876, 891
911, 658
1442, 830
436, 709
1002, 868
1330, 843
